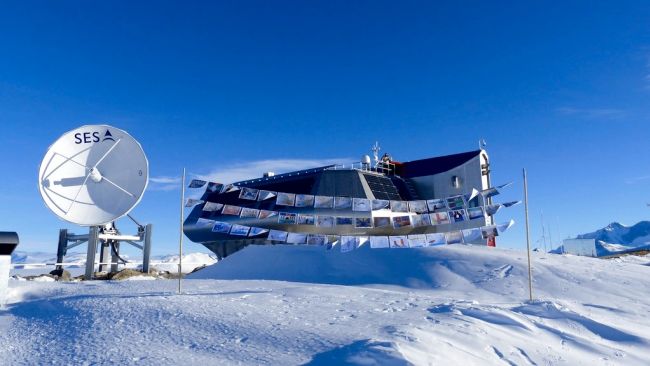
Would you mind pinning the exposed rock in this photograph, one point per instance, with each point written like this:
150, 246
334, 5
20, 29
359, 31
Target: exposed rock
61, 275
101, 276
167, 275
126, 273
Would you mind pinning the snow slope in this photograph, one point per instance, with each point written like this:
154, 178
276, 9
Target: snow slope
191, 261
288, 305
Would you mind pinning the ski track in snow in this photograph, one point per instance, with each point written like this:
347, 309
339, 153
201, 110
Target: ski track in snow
588, 312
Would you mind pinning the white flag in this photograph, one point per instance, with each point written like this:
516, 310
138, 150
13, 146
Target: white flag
504, 185
265, 195
349, 243
379, 242
229, 188
492, 209
473, 194
278, 235
197, 183
255, 231
212, 206
503, 227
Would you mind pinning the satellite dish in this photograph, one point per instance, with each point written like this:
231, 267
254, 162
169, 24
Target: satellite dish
93, 175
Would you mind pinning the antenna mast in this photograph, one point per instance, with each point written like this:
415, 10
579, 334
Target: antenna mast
550, 237
375, 151
543, 230
530, 272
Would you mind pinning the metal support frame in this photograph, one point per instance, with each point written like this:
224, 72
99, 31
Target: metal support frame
62, 248
146, 251
104, 254
93, 238
107, 237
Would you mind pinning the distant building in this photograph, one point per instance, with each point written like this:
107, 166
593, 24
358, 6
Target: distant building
583, 247
417, 180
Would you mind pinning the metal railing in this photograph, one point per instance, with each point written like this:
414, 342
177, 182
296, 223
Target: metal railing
83, 263
283, 175
385, 168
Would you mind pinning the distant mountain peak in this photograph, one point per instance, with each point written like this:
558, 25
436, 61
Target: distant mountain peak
615, 225
635, 236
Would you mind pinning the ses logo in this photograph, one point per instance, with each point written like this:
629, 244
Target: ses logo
89, 137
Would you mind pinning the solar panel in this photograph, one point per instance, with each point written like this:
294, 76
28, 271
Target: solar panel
382, 187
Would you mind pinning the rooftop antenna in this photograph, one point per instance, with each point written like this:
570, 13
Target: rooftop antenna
482, 144
180, 238
530, 272
375, 151
92, 176
559, 232
543, 230
550, 236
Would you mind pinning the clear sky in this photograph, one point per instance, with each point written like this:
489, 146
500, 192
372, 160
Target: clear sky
561, 88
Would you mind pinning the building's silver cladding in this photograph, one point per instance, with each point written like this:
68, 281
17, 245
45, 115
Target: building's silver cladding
584, 247
468, 174
410, 181
458, 180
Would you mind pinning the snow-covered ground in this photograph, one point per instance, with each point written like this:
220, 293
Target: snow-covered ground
287, 305
636, 259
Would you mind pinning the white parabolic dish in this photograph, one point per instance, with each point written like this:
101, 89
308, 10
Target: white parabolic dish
93, 175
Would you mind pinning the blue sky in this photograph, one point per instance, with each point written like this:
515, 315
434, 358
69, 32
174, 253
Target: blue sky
224, 87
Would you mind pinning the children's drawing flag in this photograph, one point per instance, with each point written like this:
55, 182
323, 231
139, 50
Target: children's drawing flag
191, 202
197, 183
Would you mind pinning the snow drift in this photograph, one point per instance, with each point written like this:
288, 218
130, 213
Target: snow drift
407, 267
451, 305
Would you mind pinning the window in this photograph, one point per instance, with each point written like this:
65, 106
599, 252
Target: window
455, 181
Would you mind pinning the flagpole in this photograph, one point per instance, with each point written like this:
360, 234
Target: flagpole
530, 277
180, 236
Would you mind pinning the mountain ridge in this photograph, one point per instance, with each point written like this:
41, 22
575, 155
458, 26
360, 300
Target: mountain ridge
617, 238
